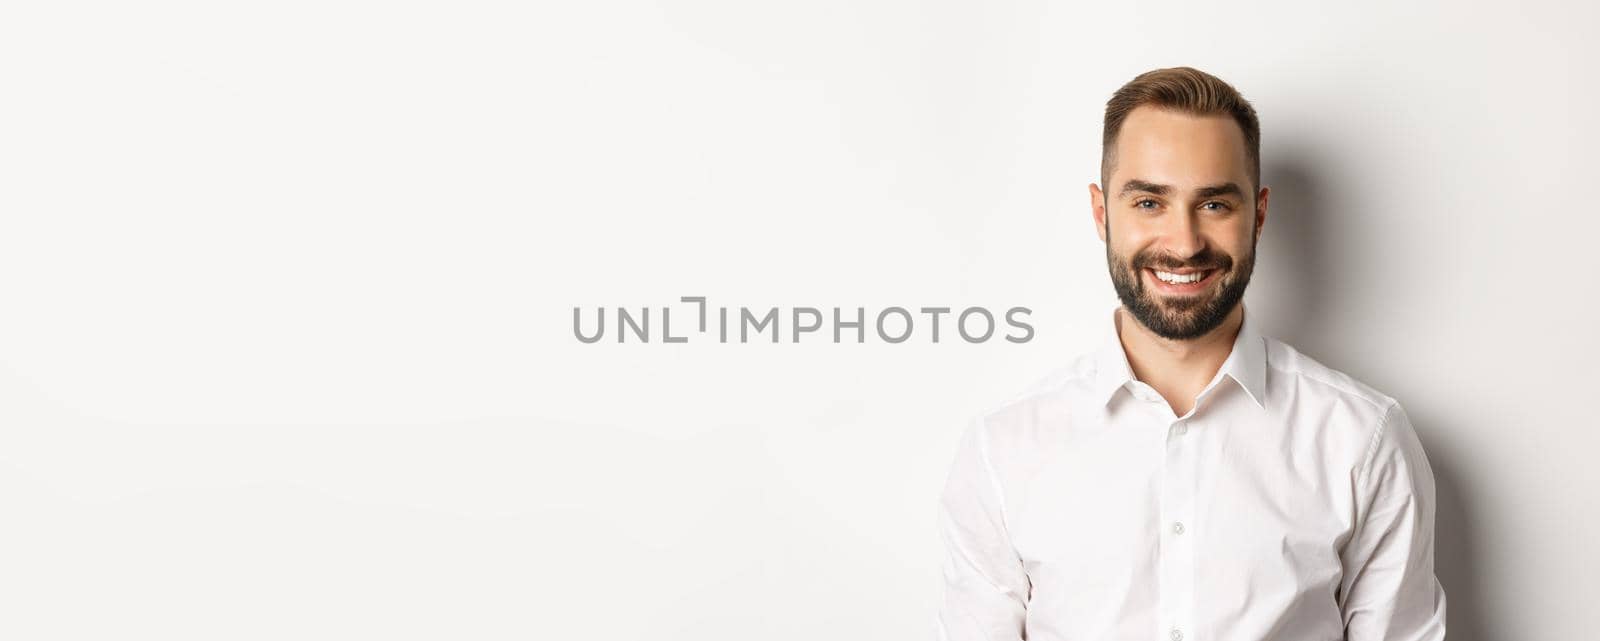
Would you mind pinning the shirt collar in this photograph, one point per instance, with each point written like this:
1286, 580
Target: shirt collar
1246, 363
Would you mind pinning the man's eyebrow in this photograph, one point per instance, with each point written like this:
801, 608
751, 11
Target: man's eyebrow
1209, 191
1134, 184
1224, 189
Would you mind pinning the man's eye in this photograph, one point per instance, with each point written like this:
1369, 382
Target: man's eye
1140, 204
1219, 205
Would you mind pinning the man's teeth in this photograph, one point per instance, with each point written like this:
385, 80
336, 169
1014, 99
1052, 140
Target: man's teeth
1178, 278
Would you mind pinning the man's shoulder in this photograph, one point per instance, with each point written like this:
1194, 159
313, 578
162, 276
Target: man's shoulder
1078, 371
1047, 396
1306, 376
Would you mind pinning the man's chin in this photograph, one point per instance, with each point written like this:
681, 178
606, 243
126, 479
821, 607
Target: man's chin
1179, 304
1174, 313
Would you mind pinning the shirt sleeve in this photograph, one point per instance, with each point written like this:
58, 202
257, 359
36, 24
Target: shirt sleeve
1389, 591
984, 593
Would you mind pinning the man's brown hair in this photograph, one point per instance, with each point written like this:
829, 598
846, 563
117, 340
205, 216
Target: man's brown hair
1187, 90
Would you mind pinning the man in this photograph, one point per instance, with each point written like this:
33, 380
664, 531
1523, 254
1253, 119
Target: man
1191, 479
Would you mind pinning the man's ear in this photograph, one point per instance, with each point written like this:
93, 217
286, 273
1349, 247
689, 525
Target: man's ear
1261, 211
1097, 203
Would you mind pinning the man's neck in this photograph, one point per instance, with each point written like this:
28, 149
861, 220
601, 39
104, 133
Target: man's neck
1177, 369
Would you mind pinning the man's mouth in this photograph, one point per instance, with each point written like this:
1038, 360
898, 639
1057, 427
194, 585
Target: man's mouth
1184, 281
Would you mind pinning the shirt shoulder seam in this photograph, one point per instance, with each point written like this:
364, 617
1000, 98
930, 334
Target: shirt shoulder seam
1381, 404
1043, 388
1377, 437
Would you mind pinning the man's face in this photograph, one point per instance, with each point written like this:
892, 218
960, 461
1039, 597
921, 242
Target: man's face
1178, 202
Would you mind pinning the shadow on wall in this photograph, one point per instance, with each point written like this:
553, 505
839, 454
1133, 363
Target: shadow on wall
1454, 533
1301, 250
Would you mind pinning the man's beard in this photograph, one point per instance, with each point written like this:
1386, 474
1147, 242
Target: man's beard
1180, 317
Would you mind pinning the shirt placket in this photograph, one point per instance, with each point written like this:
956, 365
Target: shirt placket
1177, 550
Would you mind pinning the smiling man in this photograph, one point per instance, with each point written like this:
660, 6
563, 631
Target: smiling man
1191, 478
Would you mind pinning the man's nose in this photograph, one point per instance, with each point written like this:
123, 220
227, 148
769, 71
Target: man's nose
1182, 235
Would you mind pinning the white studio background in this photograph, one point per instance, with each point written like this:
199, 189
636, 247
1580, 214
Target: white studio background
286, 294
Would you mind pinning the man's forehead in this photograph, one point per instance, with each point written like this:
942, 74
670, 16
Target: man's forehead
1181, 150
1157, 121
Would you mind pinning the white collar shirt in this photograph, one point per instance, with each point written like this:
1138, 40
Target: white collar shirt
1291, 503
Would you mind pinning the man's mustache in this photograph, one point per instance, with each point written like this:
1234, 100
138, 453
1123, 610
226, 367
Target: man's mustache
1205, 264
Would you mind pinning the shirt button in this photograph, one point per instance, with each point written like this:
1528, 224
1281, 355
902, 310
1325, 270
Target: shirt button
1181, 429
1177, 527
1177, 635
